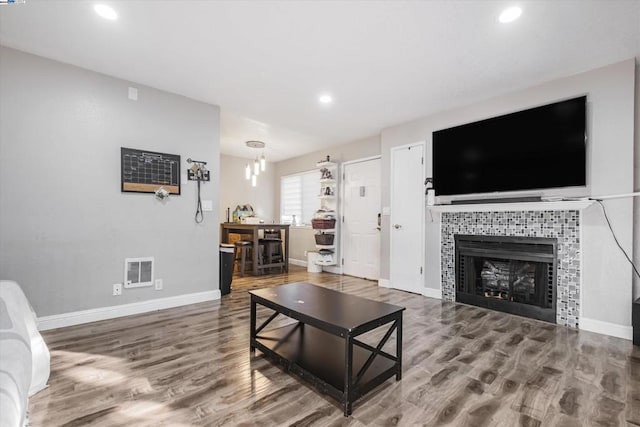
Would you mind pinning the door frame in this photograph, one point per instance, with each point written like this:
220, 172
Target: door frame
342, 195
393, 149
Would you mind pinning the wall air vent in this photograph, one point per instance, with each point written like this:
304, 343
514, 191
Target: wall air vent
138, 272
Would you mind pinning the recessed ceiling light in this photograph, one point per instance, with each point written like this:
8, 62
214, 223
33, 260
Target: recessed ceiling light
325, 99
510, 14
106, 12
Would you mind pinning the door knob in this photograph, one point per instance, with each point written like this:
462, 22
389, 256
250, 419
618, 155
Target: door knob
397, 226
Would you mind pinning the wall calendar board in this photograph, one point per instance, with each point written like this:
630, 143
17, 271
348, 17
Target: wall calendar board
146, 171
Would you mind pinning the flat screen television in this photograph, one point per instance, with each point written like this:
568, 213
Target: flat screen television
535, 149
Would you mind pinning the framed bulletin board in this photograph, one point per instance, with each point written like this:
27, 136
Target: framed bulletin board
146, 171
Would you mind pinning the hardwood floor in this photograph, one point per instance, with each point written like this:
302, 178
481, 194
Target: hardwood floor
462, 366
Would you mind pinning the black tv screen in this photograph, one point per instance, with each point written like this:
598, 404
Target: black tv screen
539, 148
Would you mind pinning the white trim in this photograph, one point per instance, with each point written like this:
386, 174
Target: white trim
299, 262
606, 328
111, 312
384, 283
568, 205
334, 269
363, 159
432, 293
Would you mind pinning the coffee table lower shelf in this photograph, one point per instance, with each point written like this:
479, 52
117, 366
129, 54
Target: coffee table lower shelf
319, 358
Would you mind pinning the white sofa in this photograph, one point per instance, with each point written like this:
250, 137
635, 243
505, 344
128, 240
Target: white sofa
24, 356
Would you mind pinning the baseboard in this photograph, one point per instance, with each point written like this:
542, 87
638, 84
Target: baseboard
612, 329
432, 293
299, 262
104, 313
332, 269
384, 283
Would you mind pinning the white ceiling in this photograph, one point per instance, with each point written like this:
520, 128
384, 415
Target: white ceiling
385, 62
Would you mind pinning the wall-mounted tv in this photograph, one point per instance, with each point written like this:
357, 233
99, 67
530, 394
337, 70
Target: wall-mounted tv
535, 149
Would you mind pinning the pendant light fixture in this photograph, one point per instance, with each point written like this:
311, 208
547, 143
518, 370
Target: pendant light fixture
259, 164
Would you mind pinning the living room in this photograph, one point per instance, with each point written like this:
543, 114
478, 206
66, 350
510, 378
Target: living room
77, 88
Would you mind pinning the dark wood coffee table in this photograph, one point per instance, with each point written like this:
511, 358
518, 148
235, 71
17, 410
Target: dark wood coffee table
322, 346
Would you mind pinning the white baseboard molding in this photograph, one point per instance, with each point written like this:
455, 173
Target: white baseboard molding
612, 329
104, 313
432, 293
299, 262
384, 283
332, 269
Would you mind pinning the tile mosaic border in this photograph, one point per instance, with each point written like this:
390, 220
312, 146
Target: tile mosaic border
561, 225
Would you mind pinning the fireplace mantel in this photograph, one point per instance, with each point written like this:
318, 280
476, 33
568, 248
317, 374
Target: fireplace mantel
569, 205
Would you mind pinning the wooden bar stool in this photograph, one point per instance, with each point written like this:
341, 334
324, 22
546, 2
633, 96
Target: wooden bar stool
273, 252
243, 250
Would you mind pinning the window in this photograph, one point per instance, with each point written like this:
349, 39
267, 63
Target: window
299, 197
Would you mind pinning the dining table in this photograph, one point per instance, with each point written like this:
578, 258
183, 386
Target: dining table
254, 230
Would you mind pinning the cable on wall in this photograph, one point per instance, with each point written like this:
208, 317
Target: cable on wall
199, 217
606, 217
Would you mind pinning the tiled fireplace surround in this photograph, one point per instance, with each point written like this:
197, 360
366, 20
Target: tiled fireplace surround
564, 225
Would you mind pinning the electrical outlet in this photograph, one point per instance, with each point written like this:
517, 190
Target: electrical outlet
159, 284
306, 253
117, 289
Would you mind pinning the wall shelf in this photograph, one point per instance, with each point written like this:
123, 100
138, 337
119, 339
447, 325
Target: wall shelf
328, 180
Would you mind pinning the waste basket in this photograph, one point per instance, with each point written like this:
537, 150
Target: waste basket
226, 267
312, 267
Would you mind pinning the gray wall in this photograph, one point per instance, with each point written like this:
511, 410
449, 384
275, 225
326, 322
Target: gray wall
236, 190
65, 227
610, 90
636, 187
301, 238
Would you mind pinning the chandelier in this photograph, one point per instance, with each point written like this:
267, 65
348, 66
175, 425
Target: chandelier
259, 164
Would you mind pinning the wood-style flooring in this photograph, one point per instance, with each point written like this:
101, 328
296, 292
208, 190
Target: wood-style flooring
462, 366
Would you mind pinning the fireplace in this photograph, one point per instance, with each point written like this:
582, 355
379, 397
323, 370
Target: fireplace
506, 273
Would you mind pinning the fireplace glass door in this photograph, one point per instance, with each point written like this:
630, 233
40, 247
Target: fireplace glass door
515, 275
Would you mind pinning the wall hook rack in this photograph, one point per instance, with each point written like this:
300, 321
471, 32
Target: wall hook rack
198, 172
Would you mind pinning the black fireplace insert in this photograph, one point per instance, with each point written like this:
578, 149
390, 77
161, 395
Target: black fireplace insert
511, 274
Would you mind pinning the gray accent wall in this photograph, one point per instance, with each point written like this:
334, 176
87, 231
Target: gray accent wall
65, 226
607, 278
636, 186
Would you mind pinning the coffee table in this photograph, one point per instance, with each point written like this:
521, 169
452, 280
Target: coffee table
321, 346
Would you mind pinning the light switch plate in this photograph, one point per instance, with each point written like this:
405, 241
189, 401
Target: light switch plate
207, 205
133, 93
386, 210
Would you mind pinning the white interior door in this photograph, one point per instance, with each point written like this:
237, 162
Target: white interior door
360, 229
407, 218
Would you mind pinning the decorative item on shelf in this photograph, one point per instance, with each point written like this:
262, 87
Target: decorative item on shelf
326, 174
430, 192
325, 239
259, 164
323, 223
328, 191
242, 211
